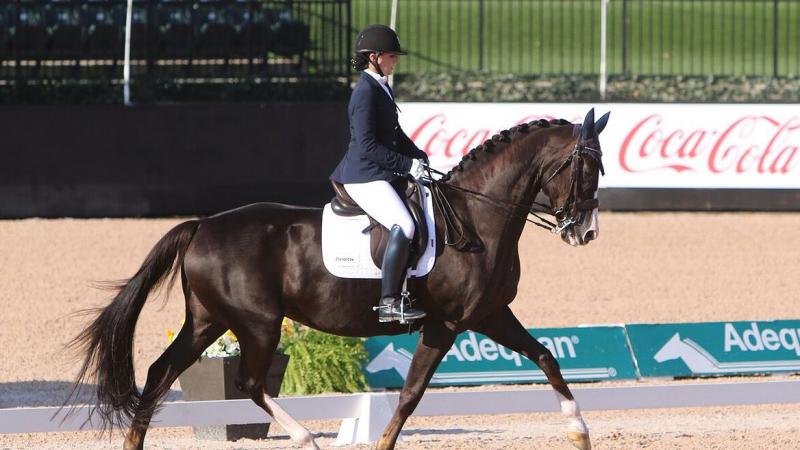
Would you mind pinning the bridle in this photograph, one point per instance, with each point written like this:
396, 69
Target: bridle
571, 207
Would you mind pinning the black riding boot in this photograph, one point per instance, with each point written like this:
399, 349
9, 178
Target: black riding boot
395, 263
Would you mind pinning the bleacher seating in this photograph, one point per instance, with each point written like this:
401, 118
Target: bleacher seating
104, 41
30, 41
263, 31
5, 44
218, 40
140, 40
6, 30
289, 38
66, 41
176, 41
105, 24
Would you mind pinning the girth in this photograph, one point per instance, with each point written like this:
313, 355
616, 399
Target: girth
412, 196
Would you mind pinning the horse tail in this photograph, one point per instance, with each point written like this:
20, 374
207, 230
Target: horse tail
108, 341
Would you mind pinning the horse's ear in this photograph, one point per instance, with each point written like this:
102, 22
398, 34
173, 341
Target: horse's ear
587, 129
600, 125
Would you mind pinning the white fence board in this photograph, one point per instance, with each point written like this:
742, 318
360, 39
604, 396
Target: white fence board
366, 414
179, 414
608, 398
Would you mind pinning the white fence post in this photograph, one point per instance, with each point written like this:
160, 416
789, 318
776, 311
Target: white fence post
393, 25
376, 411
126, 66
603, 42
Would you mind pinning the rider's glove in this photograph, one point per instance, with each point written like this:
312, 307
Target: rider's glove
417, 168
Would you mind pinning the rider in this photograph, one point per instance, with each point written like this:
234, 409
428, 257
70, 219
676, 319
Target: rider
378, 154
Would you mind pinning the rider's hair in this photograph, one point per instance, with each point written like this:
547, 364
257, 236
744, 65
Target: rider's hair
360, 61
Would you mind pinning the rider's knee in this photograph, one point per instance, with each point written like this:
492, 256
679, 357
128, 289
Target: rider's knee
407, 225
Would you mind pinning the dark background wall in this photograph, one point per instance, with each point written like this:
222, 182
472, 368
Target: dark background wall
156, 160
199, 159
699, 199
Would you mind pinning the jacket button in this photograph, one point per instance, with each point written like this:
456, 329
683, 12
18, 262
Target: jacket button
394, 142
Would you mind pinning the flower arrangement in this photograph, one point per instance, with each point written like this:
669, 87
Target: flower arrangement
225, 345
318, 362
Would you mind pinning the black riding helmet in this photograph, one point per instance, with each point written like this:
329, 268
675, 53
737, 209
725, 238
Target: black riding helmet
376, 39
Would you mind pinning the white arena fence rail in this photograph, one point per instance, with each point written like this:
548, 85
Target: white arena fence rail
365, 415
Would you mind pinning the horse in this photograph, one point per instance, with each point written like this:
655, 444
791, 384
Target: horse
248, 268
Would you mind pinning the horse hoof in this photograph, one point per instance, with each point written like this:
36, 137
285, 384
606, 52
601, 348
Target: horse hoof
580, 440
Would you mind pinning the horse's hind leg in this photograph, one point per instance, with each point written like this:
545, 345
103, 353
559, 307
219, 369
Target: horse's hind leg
197, 333
258, 342
435, 341
506, 330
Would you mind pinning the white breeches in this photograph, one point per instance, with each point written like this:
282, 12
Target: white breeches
379, 200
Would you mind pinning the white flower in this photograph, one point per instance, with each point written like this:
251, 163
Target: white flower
224, 346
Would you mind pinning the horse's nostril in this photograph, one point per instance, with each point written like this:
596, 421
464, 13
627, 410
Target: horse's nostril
589, 236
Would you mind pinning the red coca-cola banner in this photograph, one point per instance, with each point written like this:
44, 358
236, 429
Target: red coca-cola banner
644, 145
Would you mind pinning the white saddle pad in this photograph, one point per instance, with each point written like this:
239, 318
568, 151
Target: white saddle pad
345, 248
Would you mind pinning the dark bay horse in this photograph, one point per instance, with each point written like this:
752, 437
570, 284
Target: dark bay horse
247, 269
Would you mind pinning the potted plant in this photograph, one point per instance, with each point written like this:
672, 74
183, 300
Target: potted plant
212, 378
321, 363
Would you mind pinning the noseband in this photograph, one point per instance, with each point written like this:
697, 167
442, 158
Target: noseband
571, 208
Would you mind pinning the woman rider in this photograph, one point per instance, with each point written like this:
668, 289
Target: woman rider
378, 154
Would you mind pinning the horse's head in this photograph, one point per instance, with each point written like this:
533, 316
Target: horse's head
673, 349
571, 180
389, 358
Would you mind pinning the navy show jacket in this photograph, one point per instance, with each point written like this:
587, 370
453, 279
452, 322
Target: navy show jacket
378, 149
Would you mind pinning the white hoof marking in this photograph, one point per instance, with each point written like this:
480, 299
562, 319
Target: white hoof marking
299, 434
573, 413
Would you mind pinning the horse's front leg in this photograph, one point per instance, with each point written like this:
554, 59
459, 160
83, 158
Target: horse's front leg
435, 341
506, 330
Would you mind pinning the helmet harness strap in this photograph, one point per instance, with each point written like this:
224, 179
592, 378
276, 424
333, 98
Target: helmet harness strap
375, 63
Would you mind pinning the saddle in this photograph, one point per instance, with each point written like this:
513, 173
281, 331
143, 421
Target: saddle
412, 195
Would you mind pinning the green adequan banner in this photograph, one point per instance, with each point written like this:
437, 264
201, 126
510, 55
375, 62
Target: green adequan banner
584, 353
716, 348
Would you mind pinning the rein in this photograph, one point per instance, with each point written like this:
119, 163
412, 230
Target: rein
454, 225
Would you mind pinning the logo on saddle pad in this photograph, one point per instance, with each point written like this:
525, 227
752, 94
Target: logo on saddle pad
346, 246
720, 348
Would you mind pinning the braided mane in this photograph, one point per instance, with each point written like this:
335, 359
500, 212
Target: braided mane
500, 141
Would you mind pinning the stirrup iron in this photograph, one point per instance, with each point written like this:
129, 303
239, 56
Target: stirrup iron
405, 299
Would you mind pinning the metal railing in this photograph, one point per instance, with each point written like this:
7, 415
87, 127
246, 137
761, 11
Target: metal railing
645, 37
226, 41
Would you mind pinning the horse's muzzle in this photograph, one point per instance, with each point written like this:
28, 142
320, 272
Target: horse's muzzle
583, 232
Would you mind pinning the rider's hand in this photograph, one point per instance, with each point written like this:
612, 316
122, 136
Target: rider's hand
417, 168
